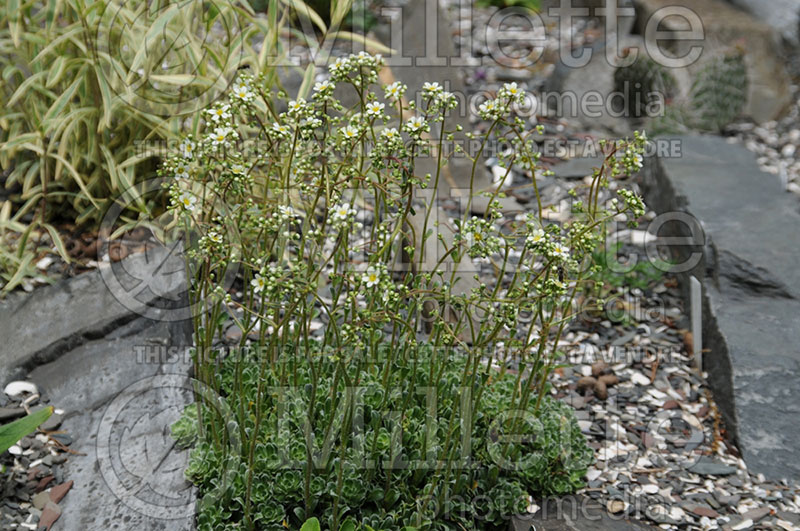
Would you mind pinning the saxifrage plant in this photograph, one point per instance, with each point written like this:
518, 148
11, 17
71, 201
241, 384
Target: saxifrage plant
365, 390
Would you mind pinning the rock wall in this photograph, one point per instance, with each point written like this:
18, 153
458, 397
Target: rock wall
783, 15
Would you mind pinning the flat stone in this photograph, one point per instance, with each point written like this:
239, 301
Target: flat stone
757, 514
593, 86
63, 438
41, 499
52, 423
10, 413
701, 510
577, 168
86, 307
745, 253
58, 492
89, 380
708, 467
728, 500
50, 514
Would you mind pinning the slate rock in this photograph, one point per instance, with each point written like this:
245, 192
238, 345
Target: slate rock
58, 492
708, 467
745, 250
50, 514
51, 423
783, 15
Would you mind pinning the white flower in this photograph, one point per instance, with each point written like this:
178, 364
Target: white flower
537, 237
324, 87
350, 132
375, 108
237, 168
280, 129
242, 91
181, 171
390, 134
512, 91
339, 67
394, 91
187, 149
415, 123
638, 161
220, 112
372, 277
187, 201
431, 89
215, 237
220, 135
474, 238
297, 106
343, 212
488, 109
560, 251
448, 99
286, 211
258, 283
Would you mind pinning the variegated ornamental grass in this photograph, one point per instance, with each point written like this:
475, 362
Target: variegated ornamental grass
89, 90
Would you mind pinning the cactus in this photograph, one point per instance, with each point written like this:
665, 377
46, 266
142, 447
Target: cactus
672, 122
641, 82
719, 91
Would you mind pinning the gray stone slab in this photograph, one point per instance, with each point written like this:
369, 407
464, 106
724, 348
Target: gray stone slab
585, 91
108, 347
120, 394
39, 326
577, 168
750, 245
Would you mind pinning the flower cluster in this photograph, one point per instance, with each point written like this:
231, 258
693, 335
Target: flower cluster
633, 202
323, 90
361, 70
242, 90
342, 215
511, 93
492, 109
480, 237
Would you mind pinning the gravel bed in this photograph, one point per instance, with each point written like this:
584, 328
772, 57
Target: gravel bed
31, 471
661, 450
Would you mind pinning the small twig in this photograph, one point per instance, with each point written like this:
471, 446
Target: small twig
60, 445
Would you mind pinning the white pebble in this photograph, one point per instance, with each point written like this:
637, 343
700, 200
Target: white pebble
640, 379
592, 474
676, 513
15, 389
45, 262
15, 450
650, 488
